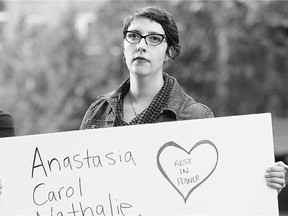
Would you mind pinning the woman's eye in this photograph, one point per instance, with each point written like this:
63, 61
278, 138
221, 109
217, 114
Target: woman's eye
155, 38
133, 36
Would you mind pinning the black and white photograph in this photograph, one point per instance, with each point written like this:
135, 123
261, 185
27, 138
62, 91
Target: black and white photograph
145, 107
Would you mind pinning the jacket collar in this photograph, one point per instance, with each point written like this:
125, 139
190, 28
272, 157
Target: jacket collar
176, 101
114, 96
175, 104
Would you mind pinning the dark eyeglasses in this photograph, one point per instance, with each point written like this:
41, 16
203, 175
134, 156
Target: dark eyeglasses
150, 39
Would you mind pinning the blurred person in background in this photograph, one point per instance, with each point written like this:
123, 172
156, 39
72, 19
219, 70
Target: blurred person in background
6, 129
6, 124
150, 40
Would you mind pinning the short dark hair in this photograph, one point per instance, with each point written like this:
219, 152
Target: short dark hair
167, 22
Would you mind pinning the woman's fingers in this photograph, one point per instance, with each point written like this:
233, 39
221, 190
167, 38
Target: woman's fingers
1, 187
282, 164
275, 176
276, 168
276, 182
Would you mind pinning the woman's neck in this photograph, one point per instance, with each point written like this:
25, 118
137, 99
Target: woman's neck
144, 89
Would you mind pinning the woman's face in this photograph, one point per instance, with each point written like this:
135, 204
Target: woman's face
152, 57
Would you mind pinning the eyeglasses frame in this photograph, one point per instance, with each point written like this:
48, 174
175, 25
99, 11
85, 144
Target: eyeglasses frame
141, 36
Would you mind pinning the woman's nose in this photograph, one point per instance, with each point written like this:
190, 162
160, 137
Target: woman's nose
142, 45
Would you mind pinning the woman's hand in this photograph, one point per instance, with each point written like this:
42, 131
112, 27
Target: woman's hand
275, 176
0, 187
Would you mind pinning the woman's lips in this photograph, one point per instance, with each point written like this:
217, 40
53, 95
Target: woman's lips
140, 59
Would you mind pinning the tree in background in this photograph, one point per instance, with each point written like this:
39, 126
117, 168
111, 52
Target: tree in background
234, 59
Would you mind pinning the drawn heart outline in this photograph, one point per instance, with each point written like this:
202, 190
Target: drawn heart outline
173, 144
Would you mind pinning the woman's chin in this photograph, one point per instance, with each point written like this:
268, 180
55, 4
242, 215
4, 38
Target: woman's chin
141, 71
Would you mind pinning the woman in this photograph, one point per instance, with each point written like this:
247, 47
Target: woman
150, 39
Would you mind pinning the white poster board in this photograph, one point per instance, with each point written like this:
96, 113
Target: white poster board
211, 166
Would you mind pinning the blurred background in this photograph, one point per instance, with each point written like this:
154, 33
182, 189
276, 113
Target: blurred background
57, 56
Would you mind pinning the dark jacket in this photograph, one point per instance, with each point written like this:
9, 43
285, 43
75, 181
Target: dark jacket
180, 106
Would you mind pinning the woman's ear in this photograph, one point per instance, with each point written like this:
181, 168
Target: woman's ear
172, 52
166, 58
123, 48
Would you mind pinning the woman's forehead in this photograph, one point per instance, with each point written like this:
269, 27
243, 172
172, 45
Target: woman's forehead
145, 26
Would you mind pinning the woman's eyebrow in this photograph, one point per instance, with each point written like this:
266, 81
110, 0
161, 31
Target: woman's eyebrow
151, 32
